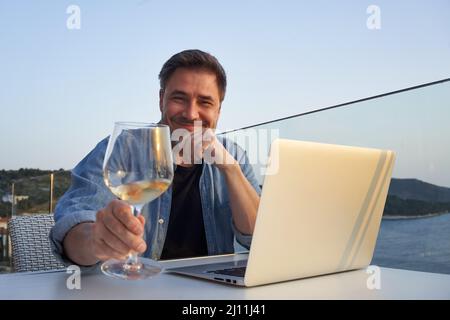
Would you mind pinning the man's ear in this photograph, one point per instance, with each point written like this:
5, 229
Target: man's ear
161, 96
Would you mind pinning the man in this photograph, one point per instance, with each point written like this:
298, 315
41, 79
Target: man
207, 205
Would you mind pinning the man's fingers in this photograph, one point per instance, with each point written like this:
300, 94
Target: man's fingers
104, 252
199, 144
112, 240
122, 212
141, 219
113, 226
116, 227
202, 138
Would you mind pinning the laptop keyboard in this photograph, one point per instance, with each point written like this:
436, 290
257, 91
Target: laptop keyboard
235, 272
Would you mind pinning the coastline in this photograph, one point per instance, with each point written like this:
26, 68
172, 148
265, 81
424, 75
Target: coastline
430, 215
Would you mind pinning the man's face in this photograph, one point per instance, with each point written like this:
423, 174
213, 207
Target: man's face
190, 95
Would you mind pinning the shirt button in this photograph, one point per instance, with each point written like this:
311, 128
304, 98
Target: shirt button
161, 221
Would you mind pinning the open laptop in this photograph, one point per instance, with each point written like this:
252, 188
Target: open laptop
319, 213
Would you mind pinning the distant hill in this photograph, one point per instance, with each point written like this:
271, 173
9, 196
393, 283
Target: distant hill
414, 189
33, 184
412, 197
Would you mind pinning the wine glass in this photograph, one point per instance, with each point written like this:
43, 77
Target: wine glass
138, 168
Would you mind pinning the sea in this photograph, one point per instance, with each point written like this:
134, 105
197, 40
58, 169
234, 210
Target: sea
420, 244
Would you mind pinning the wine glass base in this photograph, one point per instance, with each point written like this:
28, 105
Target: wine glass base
122, 270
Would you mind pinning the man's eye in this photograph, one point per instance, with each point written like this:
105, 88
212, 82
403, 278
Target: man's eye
179, 99
207, 103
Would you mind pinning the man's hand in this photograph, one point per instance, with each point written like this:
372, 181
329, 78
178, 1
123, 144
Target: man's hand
116, 232
216, 154
203, 144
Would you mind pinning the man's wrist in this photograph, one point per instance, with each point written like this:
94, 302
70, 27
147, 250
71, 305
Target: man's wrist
78, 244
230, 169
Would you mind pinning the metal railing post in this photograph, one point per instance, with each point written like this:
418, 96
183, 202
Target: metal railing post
51, 194
13, 201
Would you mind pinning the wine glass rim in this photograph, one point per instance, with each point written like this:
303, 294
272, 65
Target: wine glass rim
139, 124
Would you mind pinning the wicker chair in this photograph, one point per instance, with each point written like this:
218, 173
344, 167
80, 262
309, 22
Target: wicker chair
30, 244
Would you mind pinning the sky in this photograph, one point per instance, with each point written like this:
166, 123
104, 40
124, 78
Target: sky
61, 89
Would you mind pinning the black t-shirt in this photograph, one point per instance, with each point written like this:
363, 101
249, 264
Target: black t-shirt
186, 232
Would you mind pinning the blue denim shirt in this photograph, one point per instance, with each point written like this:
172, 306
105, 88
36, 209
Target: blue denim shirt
88, 194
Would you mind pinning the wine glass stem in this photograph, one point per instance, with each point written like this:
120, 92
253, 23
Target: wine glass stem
132, 259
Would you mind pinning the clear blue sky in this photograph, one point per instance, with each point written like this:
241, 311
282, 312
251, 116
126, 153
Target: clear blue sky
61, 90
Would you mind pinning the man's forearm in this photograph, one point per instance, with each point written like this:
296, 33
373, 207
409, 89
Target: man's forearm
244, 199
78, 244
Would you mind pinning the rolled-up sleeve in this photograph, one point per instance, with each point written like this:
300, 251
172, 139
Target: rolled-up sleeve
244, 240
62, 227
86, 195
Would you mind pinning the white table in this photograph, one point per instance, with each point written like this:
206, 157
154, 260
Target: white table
395, 284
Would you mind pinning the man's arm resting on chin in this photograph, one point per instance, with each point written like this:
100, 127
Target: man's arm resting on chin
244, 199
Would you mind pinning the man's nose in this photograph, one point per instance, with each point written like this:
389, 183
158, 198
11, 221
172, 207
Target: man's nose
191, 111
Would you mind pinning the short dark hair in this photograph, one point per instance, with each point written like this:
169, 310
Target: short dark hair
194, 59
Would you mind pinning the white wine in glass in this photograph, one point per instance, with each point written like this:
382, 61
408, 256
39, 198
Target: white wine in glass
138, 168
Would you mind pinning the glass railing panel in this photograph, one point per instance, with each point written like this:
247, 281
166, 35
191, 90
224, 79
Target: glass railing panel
415, 231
